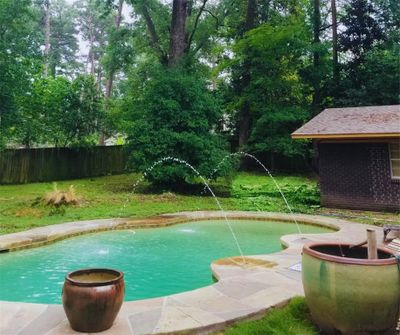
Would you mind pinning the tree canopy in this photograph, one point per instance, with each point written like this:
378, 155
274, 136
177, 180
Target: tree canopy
190, 78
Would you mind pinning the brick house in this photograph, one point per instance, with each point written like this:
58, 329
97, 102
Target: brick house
358, 154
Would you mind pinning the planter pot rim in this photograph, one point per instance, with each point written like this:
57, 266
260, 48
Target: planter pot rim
307, 249
118, 276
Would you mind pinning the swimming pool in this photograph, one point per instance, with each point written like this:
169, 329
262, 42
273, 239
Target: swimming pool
155, 261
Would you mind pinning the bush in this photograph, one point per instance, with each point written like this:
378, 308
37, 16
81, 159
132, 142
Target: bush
174, 114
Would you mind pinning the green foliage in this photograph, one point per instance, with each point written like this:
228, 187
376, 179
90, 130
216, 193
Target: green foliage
293, 319
259, 192
373, 89
362, 30
19, 57
118, 53
271, 132
63, 41
382, 89
371, 38
95, 25
173, 113
272, 69
61, 112
276, 92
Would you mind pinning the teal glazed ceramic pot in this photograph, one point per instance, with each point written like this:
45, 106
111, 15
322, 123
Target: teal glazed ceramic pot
347, 293
92, 298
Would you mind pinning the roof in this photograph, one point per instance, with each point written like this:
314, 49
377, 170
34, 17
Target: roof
353, 122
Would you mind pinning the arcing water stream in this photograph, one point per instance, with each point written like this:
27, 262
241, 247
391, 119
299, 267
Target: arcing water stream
181, 161
241, 153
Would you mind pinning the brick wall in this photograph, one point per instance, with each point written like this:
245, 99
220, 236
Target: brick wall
357, 175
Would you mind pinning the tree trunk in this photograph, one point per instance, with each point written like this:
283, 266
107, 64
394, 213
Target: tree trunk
98, 78
178, 31
111, 73
91, 58
251, 15
316, 57
245, 109
244, 124
334, 44
46, 36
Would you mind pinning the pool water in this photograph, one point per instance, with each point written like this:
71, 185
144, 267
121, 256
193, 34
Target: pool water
155, 261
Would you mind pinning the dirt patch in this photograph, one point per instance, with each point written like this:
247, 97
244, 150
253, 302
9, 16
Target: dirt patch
32, 212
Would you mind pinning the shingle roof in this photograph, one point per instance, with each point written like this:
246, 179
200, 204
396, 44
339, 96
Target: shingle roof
353, 122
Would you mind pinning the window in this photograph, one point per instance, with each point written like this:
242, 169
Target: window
394, 149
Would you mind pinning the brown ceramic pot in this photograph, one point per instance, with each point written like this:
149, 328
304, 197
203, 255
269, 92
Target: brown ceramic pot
92, 298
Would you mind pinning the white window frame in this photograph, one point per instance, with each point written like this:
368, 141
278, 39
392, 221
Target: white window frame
393, 159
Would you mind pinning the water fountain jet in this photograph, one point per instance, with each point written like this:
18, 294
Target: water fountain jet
242, 153
206, 185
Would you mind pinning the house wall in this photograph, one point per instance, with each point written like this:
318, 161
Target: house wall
357, 176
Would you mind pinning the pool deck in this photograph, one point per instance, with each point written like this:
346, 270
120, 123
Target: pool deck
241, 292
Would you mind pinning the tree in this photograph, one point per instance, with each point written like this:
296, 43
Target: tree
376, 79
362, 30
46, 9
172, 108
60, 112
82, 124
94, 22
19, 60
276, 89
118, 53
182, 25
335, 59
174, 115
362, 33
112, 67
60, 42
382, 89
316, 18
244, 118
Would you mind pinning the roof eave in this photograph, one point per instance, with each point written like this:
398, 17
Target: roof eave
345, 136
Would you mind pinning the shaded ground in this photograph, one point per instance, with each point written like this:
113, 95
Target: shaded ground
21, 206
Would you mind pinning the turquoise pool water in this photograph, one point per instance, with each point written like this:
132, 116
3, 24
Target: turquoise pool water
156, 261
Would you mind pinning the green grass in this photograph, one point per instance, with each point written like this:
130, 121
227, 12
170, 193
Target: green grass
111, 196
105, 197
259, 192
293, 319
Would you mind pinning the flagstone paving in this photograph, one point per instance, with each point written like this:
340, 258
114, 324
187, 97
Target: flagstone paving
242, 291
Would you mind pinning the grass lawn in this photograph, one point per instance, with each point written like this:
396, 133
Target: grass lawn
21, 207
293, 319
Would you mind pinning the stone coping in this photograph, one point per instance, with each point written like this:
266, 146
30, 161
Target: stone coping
268, 281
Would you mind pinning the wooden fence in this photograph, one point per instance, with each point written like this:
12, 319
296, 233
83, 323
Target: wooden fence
48, 164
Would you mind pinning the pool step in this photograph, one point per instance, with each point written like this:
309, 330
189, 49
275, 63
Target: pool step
394, 245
